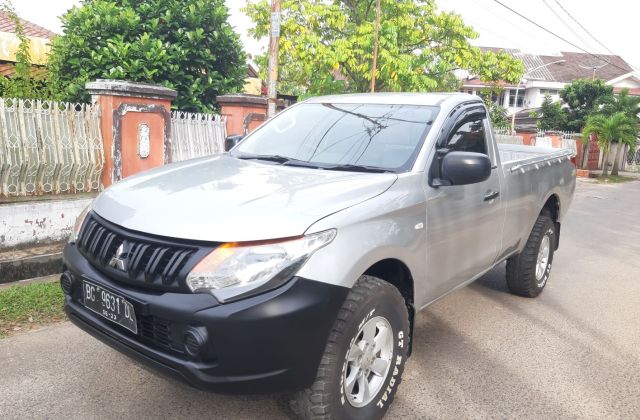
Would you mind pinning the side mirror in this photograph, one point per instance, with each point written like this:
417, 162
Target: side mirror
463, 168
231, 141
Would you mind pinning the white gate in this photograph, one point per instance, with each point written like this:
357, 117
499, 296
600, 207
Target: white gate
194, 135
49, 147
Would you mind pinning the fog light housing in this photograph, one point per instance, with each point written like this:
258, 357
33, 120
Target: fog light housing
66, 282
195, 341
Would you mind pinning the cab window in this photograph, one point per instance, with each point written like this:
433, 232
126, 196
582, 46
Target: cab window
468, 136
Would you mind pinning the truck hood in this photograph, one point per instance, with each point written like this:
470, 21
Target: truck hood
224, 199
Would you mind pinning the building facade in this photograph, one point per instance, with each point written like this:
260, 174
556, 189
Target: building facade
548, 74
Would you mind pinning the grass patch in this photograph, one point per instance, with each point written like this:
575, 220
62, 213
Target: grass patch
28, 306
614, 179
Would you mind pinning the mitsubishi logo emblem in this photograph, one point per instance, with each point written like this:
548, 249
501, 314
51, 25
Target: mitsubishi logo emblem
119, 260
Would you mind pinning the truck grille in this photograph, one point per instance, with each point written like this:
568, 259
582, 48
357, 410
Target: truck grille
148, 262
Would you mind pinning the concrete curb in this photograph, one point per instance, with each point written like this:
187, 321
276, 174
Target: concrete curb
30, 263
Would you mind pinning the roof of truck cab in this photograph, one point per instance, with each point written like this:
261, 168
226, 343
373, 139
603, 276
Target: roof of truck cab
432, 99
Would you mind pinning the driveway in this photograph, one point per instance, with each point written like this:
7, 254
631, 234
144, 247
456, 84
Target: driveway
574, 352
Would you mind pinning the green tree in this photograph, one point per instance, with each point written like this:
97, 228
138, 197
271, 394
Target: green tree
583, 98
327, 47
187, 45
497, 112
28, 82
623, 102
619, 129
552, 116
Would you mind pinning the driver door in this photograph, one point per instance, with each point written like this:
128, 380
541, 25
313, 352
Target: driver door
464, 222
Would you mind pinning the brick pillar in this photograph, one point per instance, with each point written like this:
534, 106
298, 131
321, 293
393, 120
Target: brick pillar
244, 112
135, 121
593, 162
528, 137
556, 139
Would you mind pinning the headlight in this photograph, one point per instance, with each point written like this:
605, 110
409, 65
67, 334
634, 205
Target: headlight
237, 270
78, 224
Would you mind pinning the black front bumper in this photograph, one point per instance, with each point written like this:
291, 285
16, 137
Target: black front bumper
268, 343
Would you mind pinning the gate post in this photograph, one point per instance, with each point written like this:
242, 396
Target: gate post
135, 122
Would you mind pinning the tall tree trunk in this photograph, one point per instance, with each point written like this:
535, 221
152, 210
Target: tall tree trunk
585, 153
619, 154
605, 163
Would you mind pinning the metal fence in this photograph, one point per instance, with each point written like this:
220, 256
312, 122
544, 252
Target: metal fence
633, 159
509, 139
195, 135
49, 147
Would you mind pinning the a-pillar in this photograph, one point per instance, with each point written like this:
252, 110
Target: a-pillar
135, 122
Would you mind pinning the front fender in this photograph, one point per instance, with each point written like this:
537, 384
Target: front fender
391, 225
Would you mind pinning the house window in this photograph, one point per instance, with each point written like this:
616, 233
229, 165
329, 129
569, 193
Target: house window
512, 98
550, 92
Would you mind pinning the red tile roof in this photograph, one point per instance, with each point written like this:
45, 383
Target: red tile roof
632, 92
30, 29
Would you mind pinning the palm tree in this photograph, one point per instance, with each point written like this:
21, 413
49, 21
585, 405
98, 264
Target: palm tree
630, 105
619, 129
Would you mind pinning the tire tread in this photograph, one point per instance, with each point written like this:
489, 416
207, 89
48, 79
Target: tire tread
313, 402
520, 272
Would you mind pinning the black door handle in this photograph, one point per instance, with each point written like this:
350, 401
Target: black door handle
492, 195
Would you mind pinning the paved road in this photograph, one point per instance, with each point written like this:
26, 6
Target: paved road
479, 353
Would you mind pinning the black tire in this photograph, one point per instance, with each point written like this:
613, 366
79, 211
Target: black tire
370, 297
521, 268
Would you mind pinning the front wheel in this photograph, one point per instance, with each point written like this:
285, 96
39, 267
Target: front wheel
528, 272
364, 358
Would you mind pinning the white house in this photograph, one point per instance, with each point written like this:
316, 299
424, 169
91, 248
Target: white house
548, 74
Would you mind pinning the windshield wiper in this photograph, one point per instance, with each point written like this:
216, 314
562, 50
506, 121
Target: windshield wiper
357, 168
269, 158
287, 161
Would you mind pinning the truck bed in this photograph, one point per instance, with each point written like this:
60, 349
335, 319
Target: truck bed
516, 157
531, 175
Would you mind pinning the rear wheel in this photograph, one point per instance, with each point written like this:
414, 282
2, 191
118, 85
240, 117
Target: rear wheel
528, 272
364, 358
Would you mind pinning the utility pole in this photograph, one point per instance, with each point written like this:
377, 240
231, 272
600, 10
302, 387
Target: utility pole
375, 49
273, 58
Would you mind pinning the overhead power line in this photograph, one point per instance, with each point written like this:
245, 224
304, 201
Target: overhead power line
589, 32
569, 27
558, 36
583, 27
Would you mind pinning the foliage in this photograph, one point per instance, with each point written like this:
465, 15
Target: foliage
618, 128
623, 102
497, 112
583, 98
186, 45
27, 82
32, 303
327, 47
552, 116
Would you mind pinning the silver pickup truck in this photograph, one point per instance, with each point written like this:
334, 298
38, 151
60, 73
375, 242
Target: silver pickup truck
297, 261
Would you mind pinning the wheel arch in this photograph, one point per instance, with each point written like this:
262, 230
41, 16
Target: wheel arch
398, 274
552, 205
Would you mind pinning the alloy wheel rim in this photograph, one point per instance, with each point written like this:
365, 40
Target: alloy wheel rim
543, 258
368, 361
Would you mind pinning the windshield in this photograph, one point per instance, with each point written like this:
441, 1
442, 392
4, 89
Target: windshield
342, 136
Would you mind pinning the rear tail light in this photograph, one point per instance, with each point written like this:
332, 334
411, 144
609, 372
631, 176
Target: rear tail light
574, 161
